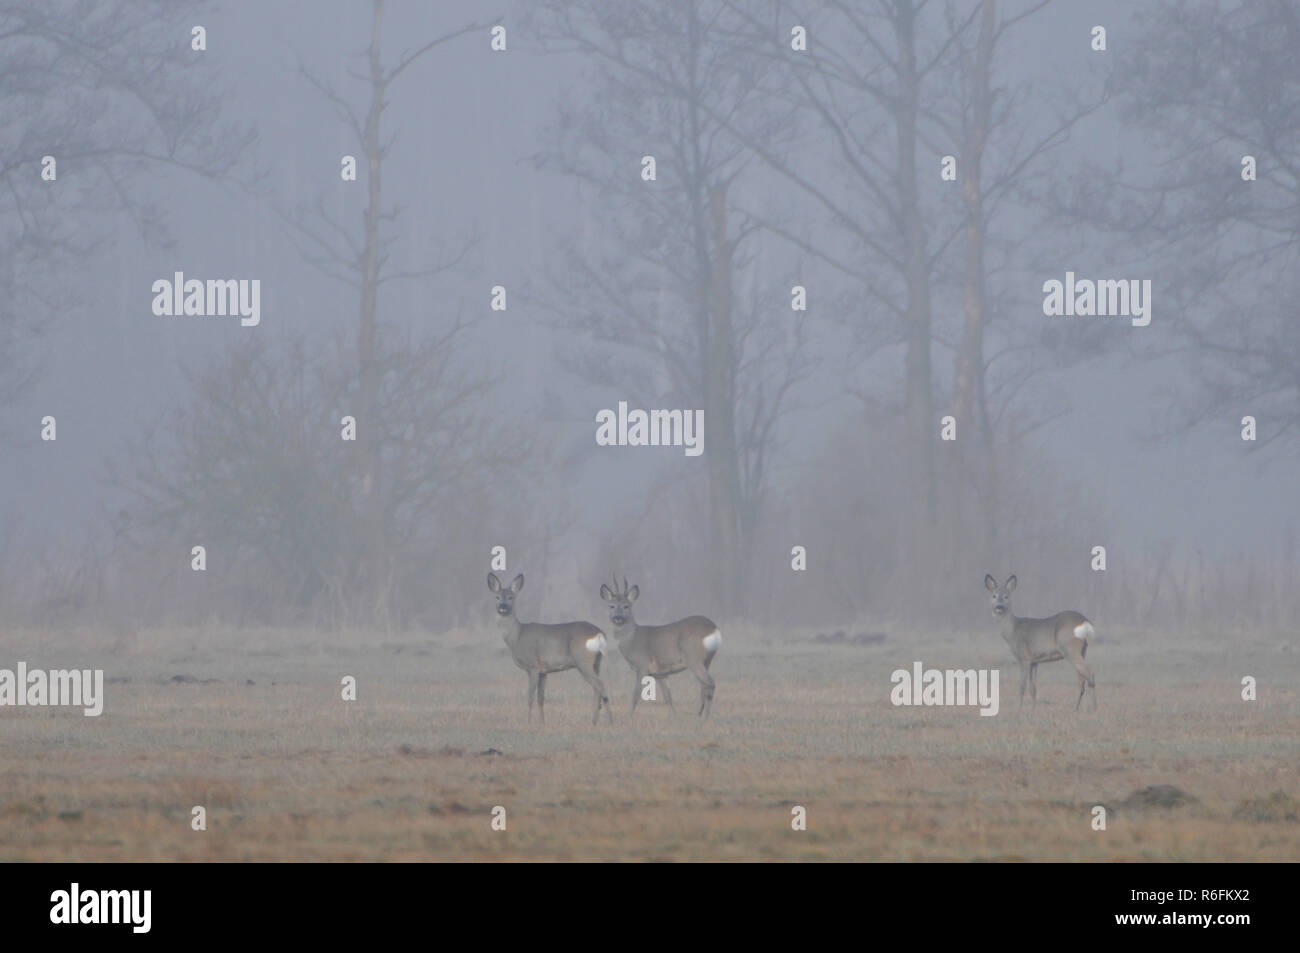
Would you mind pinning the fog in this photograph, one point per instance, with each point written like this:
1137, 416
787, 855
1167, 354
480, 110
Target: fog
504, 166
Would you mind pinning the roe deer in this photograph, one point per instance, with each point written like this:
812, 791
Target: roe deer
1063, 636
540, 649
661, 650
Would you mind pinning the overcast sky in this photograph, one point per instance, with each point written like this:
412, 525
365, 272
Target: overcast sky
467, 122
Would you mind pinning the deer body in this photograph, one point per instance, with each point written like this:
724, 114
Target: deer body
657, 651
543, 648
1033, 641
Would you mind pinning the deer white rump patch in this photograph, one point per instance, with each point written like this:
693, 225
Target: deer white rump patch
596, 643
1083, 631
713, 640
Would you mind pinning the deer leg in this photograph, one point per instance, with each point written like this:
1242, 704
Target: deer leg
532, 693
541, 697
602, 697
706, 687
1086, 680
668, 696
1033, 684
1024, 677
636, 691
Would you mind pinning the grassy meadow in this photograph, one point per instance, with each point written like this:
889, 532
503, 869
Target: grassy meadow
250, 724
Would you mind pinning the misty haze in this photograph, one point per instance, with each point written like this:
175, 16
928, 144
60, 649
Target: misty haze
698, 429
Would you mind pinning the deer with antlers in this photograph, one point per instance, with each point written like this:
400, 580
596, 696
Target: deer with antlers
657, 651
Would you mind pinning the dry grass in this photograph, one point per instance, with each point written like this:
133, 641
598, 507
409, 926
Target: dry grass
288, 771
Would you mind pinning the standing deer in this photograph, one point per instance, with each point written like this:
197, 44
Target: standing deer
658, 651
1062, 636
540, 649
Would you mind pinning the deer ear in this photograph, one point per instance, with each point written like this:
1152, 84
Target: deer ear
518, 583
494, 583
990, 584
633, 593
1011, 583
606, 594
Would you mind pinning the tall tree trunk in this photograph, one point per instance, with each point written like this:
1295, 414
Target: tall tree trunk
918, 399
718, 370
374, 550
970, 357
968, 374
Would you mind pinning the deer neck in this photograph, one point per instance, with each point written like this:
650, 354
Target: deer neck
511, 628
625, 632
1009, 628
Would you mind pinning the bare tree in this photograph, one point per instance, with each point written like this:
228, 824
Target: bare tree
863, 80
362, 261
1003, 154
668, 290
1213, 83
350, 531
250, 468
110, 92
